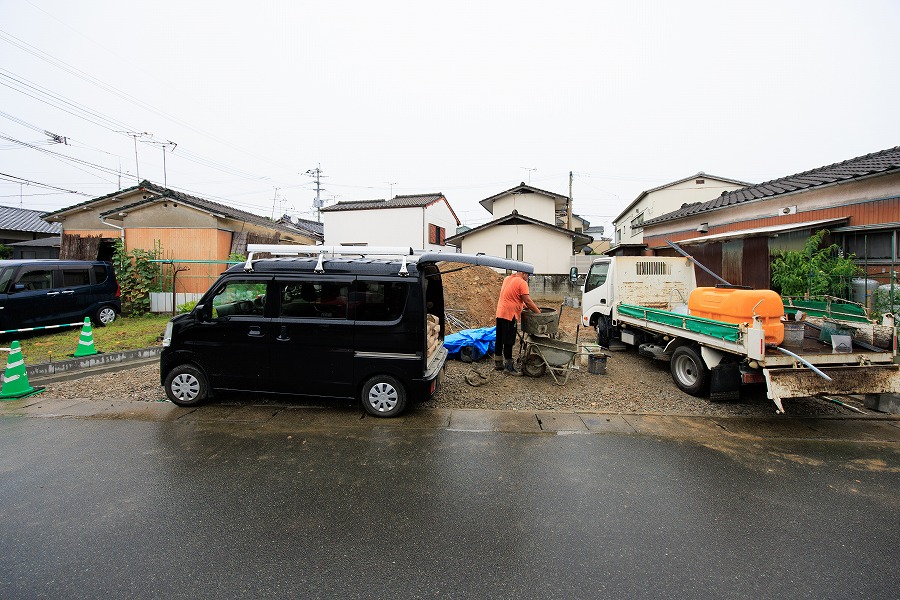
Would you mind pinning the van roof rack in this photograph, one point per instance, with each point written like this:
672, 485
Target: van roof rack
321, 251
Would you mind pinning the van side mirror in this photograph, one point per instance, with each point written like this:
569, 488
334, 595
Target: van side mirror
19, 287
202, 313
573, 275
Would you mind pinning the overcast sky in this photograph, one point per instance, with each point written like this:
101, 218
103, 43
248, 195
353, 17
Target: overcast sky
464, 98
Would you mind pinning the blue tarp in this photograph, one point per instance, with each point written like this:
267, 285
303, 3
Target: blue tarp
481, 341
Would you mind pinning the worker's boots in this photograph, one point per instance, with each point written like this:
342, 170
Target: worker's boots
498, 363
510, 368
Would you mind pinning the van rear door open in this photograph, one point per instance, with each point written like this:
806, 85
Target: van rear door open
477, 259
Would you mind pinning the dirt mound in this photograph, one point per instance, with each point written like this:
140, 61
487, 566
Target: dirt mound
470, 294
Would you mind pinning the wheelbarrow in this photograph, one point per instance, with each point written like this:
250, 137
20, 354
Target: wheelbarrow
540, 354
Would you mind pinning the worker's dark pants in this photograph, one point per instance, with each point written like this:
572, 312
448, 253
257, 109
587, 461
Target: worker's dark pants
506, 338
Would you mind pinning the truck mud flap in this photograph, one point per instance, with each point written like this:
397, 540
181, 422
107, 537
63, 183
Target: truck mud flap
855, 379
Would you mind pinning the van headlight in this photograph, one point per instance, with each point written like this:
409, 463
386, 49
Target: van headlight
167, 335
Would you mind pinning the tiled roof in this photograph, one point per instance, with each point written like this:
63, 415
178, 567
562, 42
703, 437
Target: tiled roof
113, 195
195, 201
397, 202
522, 188
699, 175
313, 228
517, 219
870, 164
24, 219
51, 242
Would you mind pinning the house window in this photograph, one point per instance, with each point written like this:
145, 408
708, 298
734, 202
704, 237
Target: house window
870, 246
436, 235
520, 252
637, 223
509, 251
700, 181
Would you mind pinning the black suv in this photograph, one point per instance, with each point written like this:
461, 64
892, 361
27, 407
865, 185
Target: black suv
35, 293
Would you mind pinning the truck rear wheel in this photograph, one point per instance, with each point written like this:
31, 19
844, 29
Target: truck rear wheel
689, 371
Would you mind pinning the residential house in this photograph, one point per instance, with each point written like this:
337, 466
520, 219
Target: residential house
42, 248
736, 233
25, 225
530, 224
420, 221
628, 237
197, 234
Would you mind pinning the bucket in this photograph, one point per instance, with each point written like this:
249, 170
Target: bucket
597, 364
587, 349
546, 323
793, 333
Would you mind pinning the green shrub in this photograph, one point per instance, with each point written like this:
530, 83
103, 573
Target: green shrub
814, 271
186, 307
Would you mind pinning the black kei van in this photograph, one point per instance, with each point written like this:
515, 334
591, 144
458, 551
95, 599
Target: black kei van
36, 293
335, 325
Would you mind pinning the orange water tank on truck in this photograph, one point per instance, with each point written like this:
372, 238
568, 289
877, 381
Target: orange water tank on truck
739, 305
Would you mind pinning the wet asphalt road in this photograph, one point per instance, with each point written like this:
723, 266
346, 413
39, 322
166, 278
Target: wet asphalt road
93, 508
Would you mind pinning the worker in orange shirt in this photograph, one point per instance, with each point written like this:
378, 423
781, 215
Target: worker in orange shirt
514, 296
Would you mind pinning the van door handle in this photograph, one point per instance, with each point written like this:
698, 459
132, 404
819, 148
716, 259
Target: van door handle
53, 293
255, 331
67, 292
283, 335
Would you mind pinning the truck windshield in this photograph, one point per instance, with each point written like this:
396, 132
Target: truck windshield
596, 276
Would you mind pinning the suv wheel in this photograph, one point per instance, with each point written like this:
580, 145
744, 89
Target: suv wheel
186, 386
105, 315
383, 396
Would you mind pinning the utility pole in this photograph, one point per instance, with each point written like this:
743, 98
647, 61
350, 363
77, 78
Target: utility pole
274, 202
569, 204
317, 203
392, 184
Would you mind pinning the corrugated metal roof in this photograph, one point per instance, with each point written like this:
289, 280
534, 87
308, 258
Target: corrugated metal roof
24, 219
759, 231
878, 162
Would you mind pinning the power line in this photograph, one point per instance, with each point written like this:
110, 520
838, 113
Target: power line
14, 179
60, 156
33, 50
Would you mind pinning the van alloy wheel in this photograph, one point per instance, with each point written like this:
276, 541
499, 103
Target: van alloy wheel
384, 396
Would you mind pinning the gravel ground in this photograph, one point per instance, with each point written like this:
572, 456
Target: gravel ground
631, 385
